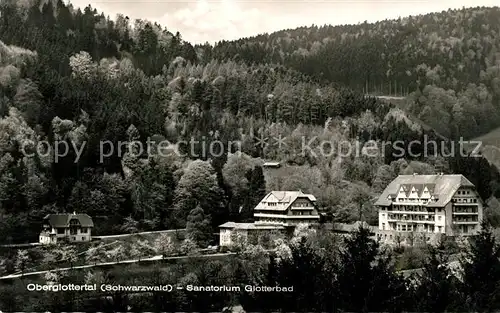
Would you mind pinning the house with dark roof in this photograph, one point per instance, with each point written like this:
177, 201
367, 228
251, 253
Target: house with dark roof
66, 227
441, 204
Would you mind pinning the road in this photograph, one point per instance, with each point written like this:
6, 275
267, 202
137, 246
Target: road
34, 244
150, 259
168, 231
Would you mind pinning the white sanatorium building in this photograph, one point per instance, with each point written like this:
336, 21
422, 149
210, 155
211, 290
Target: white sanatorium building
278, 210
430, 204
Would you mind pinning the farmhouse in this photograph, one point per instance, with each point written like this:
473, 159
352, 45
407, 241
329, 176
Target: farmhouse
66, 227
278, 211
429, 205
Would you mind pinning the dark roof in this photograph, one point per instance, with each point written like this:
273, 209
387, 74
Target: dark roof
62, 219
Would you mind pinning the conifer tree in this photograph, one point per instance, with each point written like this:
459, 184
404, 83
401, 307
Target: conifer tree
481, 272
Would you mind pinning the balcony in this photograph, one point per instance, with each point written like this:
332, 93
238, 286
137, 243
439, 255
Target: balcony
297, 208
413, 212
465, 222
465, 213
423, 221
474, 204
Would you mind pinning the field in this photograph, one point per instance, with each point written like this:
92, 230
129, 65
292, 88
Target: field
43, 257
490, 146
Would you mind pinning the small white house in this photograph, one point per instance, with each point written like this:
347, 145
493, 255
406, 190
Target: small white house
66, 227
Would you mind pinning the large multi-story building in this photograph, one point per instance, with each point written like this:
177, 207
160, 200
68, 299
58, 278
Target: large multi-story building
278, 211
430, 204
286, 208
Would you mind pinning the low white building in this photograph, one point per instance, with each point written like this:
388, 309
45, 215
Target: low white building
230, 231
66, 227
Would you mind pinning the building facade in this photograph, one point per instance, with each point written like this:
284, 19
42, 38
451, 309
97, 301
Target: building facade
278, 211
66, 227
248, 232
428, 205
286, 208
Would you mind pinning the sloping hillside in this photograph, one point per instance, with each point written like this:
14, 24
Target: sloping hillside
490, 146
448, 60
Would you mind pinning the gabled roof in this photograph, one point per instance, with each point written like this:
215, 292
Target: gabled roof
283, 198
419, 188
62, 219
442, 187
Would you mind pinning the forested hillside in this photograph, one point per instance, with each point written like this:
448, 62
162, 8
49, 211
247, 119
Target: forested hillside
447, 62
80, 93
78, 78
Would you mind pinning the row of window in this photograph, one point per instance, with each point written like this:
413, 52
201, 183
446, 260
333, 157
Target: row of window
417, 228
467, 229
308, 212
464, 200
412, 217
465, 219
72, 231
424, 200
412, 208
465, 210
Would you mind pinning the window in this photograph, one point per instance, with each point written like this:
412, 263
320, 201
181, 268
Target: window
72, 231
439, 217
83, 238
60, 231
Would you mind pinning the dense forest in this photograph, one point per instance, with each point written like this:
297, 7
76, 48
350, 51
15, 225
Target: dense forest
80, 78
447, 62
